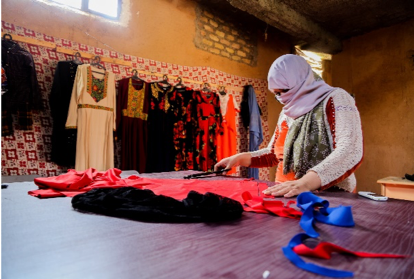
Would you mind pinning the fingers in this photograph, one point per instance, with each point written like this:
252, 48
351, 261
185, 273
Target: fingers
223, 164
287, 189
278, 190
291, 193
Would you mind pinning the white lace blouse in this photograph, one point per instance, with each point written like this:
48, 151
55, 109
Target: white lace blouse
345, 137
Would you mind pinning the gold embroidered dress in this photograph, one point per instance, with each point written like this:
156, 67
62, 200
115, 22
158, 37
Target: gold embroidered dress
92, 112
132, 115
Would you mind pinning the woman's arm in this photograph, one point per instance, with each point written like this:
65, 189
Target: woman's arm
348, 152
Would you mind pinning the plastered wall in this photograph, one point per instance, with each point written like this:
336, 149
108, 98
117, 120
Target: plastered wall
379, 69
162, 30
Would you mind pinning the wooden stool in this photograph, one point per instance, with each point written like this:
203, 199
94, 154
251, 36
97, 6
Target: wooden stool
397, 188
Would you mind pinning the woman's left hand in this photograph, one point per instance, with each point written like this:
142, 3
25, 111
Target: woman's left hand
308, 182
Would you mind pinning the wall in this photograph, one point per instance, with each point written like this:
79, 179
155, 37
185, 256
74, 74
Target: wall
160, 30
379, 69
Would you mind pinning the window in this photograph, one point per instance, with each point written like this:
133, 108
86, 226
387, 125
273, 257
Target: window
106, 8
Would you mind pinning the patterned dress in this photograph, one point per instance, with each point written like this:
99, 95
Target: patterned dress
92, 112
185, 127
209, 126
131, 123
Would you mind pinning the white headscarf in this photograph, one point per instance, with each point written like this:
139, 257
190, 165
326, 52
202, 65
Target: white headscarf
306, 88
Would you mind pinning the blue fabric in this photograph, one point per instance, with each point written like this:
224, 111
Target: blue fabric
296, 260
255, 128
337, 216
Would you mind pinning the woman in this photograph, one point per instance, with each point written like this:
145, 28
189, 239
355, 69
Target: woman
318, 140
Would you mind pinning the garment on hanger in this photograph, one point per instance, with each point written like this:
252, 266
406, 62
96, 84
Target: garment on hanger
255, 127
131, 122
227, 142
185, 127
209, 126
160, 157
23, 94
6, 118
63, 140
92, 113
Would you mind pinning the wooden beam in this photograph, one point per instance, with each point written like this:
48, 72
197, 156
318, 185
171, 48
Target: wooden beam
90, 56
29, 40
279, 15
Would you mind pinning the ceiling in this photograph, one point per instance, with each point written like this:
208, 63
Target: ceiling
321, 25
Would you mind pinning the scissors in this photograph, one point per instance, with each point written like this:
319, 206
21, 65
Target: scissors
204, 174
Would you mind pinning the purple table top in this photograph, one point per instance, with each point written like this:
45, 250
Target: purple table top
48, 239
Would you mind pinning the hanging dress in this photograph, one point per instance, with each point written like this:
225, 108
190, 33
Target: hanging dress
131, 123
209, 126
92, 113
160, 130
227, 142
185, 127
63, 140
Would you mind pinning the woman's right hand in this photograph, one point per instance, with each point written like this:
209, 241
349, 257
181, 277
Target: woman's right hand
241, 159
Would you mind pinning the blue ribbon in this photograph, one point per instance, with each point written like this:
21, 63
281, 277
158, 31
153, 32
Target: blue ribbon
337, 216
316, 208
296, 260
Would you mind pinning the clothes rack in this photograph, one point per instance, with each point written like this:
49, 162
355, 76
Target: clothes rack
103, 59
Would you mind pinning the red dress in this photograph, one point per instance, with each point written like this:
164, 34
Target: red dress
131, 119
209, 126
226, 142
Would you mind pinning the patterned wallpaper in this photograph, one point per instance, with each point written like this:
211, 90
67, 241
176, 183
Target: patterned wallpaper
28, 152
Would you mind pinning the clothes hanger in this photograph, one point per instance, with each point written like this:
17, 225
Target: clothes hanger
76, 58
96, 62
164, 81
135, 75
222, 90
179, 84
9, 38
8, 35
206, 87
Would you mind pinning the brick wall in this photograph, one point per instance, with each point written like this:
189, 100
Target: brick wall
217, 34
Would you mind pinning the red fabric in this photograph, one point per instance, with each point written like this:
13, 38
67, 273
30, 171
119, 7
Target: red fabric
324, 250
75, 182
260, 205
330, 113
267, 160
179, 188
244, 191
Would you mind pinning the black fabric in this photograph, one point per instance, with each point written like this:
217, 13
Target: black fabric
6, 123
63, 140
244, 106
144, 205
409, 177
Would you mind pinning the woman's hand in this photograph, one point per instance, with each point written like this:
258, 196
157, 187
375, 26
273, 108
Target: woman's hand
241, 159
308, 182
